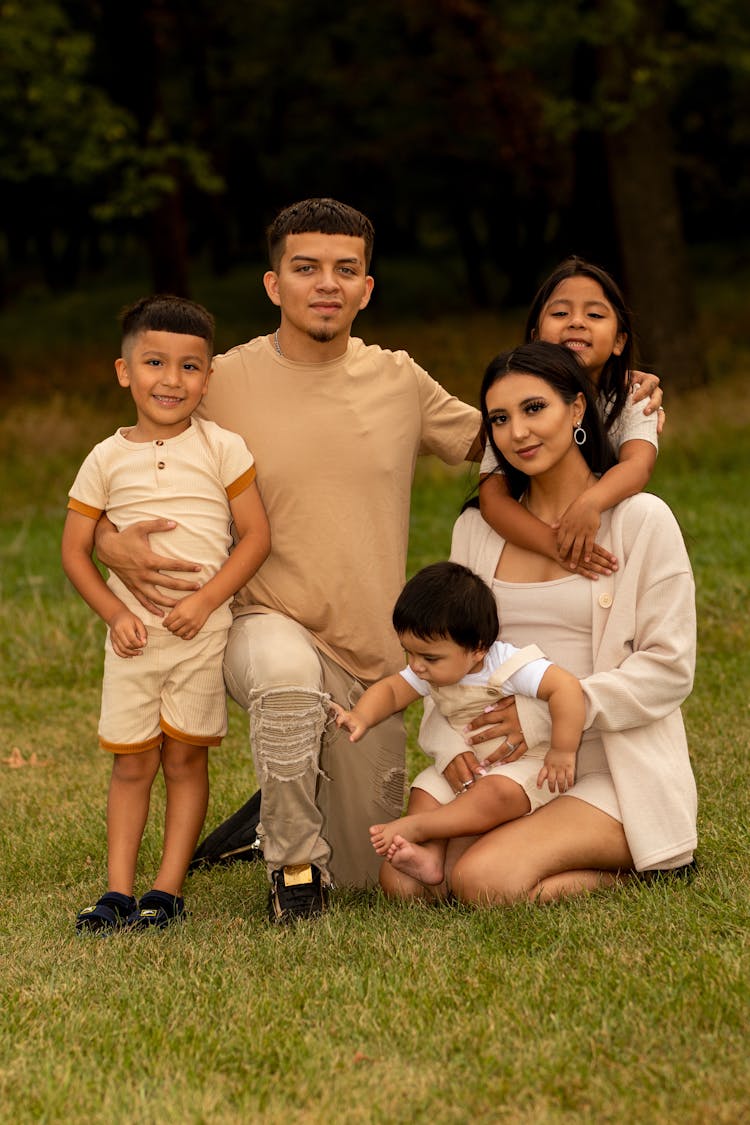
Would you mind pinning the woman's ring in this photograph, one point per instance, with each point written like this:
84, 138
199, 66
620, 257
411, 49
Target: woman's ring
511, 745
467, 784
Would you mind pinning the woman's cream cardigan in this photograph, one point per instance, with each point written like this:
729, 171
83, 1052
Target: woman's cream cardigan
643, 647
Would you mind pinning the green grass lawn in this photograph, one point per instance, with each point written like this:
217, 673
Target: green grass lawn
631, 1005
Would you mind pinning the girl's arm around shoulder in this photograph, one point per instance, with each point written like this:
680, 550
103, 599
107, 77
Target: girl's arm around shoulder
508, 518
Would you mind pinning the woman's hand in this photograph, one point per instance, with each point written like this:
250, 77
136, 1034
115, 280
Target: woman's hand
497, 721
462, 771
128, 553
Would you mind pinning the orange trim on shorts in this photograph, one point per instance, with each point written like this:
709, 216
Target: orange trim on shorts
131, 747
190, 739
239, 485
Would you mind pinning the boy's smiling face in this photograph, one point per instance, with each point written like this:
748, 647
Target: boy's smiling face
167, 374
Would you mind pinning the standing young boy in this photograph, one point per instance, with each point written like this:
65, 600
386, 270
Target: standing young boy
165, 708
446, 620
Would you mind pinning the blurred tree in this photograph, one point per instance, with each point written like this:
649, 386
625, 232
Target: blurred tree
478, 134
630, 60
74, 157
60, 138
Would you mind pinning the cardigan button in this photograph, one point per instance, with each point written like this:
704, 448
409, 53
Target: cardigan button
605, 600
160, 465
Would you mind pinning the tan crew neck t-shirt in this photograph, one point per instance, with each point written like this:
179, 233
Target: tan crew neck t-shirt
335, 446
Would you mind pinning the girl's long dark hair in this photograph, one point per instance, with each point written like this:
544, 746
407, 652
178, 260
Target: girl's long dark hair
560, 369
613, 382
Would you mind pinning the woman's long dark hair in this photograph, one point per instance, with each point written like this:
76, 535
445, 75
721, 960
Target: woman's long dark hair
560, 369
613, 381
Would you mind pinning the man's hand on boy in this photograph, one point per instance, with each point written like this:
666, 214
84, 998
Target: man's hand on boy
349, 721
128, 553
127, 633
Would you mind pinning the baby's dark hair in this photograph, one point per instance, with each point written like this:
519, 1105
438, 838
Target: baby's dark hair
165, 313
448, 600
613, 381
324, 216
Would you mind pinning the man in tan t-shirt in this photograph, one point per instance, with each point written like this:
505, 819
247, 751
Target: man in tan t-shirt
335, 427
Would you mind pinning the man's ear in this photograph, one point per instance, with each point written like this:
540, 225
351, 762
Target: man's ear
271, 282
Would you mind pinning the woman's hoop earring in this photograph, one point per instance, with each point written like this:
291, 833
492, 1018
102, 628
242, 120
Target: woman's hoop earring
579, 434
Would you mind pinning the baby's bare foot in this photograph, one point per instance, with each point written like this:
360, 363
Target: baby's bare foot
415, 860
381, 836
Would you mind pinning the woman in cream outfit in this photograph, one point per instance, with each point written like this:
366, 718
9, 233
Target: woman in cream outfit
629, 637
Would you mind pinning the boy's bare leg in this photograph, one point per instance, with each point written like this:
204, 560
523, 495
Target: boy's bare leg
185, 771
490, 801
127, 812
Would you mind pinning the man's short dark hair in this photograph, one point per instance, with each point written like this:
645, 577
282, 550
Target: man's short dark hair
324, 216
165, 313
448, 600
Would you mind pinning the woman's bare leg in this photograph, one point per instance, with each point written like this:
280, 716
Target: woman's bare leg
565, 848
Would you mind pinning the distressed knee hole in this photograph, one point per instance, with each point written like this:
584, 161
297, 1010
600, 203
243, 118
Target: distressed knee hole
286, 726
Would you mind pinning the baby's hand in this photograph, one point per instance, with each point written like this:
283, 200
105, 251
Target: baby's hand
187, 618
351, 722
558, 770
127, 634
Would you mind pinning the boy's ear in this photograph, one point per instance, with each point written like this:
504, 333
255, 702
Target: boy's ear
209, 373
121, 370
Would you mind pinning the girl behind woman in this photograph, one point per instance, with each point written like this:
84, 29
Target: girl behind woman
581, 307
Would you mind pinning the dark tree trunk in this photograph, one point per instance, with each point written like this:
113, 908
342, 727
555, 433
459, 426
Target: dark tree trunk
167, 246
652, 247
648, 218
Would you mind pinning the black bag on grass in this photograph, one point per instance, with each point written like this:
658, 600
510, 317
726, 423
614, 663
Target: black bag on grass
236, 839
